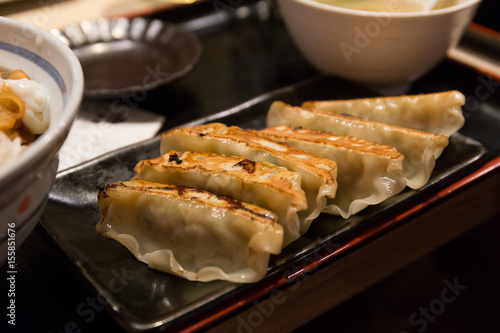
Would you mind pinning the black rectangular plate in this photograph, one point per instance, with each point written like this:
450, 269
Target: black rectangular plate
141, 299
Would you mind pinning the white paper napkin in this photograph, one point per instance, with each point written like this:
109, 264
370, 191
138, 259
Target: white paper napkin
100, 128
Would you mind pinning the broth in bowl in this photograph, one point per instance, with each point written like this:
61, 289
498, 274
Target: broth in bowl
392, 6
387, 51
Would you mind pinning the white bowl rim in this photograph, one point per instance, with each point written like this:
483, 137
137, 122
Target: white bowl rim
50, 139
356, 12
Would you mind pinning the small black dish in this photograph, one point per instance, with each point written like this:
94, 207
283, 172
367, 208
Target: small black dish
122, 57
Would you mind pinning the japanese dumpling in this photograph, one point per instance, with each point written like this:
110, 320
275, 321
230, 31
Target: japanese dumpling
368, 173
420, 149
264, 184
318, 174
438, 113
189, 232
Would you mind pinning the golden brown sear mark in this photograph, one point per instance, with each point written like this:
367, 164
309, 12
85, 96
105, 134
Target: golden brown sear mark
247, 165
175, 158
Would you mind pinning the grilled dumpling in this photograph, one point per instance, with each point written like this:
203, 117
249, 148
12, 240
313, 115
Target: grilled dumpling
438, 113
368, 173
267, 185
420, 149
318, 174
189, 232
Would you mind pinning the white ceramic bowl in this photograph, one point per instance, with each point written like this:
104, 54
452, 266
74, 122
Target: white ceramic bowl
26, 180
373, 47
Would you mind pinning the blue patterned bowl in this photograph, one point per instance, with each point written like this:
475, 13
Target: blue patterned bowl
26, 180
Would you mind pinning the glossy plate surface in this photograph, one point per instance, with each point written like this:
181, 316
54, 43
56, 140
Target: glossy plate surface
144, 299
130, 56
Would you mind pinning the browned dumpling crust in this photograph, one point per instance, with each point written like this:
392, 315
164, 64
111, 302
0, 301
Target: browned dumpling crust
189, 232
368, 173
420, 149
264, 184
318, 174
438, 113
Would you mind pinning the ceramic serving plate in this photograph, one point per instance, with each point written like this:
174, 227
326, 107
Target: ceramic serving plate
141, 299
